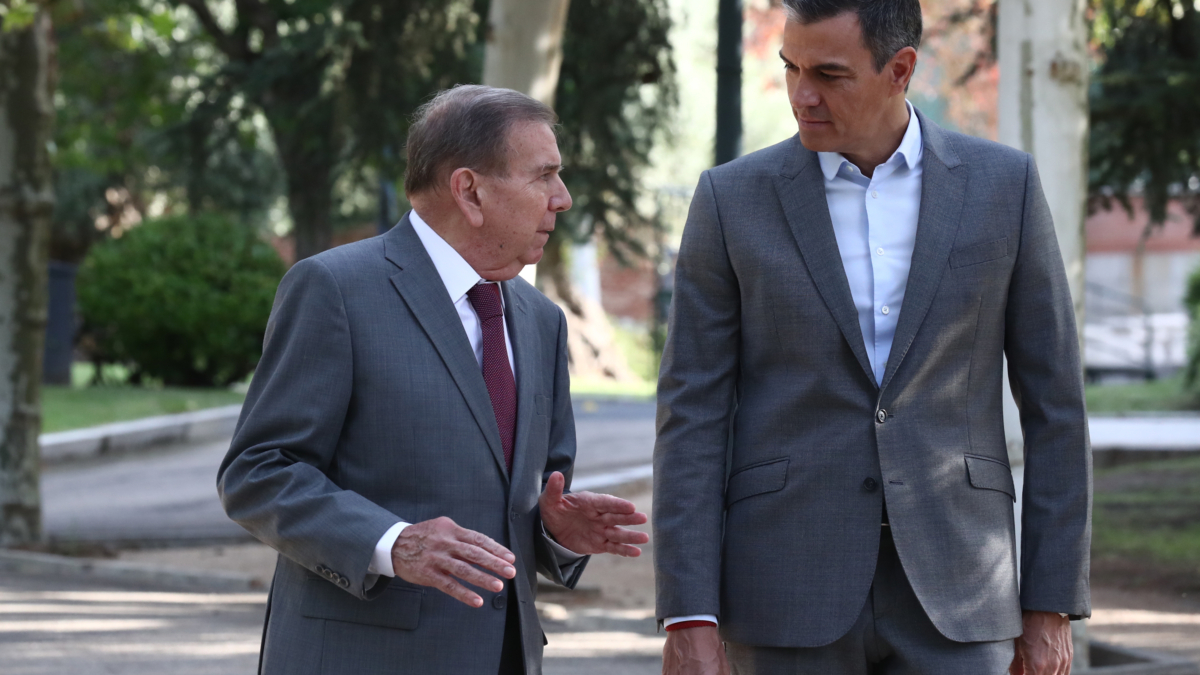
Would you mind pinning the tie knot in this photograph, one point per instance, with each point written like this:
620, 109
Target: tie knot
485, 298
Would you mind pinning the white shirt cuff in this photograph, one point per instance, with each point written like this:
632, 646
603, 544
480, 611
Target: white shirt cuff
381, 560
694, 617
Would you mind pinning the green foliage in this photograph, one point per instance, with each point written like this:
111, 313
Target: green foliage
1145, 100
17, 14
182, 299
1192, 302
616, 95
126, 133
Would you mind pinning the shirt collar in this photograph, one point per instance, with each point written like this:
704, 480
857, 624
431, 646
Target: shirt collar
456, 273
910, 150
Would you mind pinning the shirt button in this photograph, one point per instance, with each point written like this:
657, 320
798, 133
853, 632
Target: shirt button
886, 310
881, 416
874, 194
879, 251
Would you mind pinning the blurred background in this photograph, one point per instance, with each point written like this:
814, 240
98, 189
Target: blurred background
163, 162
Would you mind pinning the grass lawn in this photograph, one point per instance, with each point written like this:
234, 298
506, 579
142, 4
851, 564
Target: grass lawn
1158, 395
1146, 525
75, 407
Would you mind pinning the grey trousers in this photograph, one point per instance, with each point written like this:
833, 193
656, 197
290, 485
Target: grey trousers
893, 636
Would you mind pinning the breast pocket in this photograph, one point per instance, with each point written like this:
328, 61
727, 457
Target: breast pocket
977, 254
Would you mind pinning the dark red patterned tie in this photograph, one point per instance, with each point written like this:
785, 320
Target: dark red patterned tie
497, 374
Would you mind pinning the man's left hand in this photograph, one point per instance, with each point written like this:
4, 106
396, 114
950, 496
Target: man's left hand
1045, 647
587, 523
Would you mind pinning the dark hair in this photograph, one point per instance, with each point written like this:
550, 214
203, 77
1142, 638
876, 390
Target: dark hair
887, 25
466, 126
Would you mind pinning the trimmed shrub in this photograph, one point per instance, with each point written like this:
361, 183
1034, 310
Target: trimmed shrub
181, 299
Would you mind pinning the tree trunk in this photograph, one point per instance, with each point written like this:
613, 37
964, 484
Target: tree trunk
308, 151
524, 46
26, 203
1043, 110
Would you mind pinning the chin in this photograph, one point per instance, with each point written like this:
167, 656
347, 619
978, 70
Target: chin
533, 257
817, 141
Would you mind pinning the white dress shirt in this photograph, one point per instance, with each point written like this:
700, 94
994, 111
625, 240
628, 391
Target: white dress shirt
875, 223
458, 277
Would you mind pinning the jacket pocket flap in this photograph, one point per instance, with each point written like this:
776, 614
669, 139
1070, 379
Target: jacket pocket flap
398, 606
991, 474
979, 253
757, 479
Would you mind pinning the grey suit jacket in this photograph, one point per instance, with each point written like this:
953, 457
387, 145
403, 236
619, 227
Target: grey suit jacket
776, 448
369, 407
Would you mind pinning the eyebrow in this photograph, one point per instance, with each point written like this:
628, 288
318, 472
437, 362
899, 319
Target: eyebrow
836, 67
549, 167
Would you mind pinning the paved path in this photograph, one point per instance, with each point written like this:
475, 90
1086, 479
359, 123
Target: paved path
170, 494
58, 626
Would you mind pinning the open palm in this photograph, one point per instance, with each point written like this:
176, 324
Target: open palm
588, 523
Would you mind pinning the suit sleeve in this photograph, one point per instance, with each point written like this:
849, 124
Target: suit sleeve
1045, 370
553, 561
274, 480
696, 398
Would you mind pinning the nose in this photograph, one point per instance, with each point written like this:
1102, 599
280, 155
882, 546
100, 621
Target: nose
561, 199
804, 95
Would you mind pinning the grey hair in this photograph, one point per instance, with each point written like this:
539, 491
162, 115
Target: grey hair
887, 25
466, 127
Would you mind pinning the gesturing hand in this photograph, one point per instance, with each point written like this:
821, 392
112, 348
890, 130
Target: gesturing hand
1044, 647
587, 523
437, 553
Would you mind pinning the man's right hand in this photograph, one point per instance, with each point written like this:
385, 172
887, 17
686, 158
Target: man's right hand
694, 651
438, 553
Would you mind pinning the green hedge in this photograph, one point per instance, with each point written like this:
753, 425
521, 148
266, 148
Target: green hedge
182, 299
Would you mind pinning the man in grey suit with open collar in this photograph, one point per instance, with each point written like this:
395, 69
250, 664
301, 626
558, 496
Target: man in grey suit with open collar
832, 489
411, 405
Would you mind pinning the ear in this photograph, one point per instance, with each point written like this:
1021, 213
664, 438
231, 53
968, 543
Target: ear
901, 68
465, 187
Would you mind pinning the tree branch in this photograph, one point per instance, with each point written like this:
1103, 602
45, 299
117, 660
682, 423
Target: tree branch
225, 42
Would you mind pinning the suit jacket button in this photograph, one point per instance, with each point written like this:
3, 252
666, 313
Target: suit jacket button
499, 602
513, 515
881, 416
870, 484
343, 582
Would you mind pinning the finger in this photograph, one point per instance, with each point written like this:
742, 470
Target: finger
484, 558
473, 575
554, 487
623, 550
611, 519
605, 503
486, 543
452, 588
621, 535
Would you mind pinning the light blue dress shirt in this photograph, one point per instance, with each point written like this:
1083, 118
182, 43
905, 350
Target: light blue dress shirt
875, 222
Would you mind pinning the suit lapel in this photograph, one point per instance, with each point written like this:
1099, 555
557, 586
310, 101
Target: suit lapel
421, 288
801, 190
525, 356
943, 189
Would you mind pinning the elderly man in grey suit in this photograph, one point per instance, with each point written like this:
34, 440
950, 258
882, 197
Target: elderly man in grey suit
832, 488
411, 404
